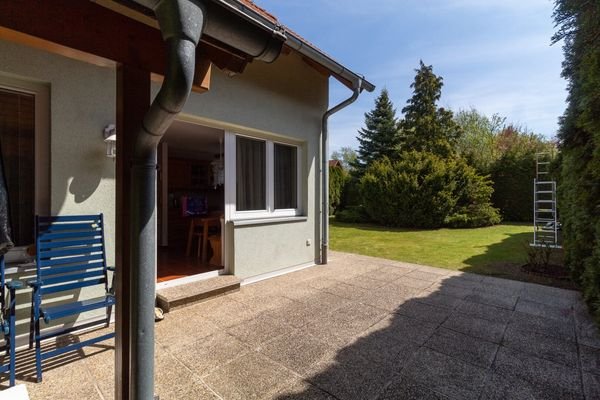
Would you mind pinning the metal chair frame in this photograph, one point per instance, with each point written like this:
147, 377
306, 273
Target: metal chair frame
7, 320
70, 255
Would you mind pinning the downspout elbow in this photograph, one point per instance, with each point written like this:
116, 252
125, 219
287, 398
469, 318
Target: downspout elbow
181, 23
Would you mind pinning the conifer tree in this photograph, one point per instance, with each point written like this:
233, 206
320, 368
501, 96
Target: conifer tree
425, 127
379, 137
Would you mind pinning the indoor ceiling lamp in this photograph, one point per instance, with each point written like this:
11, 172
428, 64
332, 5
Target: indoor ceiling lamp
110, 139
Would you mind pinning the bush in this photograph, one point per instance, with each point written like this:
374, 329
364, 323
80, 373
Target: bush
513, 187
337, 181
423, 190
353, 214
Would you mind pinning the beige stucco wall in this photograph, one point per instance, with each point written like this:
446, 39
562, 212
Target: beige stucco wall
284, 99
82, 102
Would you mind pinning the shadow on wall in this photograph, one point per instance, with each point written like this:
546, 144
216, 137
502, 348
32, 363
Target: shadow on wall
86, 180
460, 339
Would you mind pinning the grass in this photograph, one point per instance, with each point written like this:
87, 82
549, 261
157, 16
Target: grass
497, 250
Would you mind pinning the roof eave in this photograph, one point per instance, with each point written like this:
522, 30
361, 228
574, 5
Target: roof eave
300, 45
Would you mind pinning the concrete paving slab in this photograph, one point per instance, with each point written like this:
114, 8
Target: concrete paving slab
591, 386
484, 311
547, 326
542, 346
491, 331
564, 381
446, 375
463, 347
424, 312
252, 376
297, 351
407, 389
590, 359
209, 353
544, 310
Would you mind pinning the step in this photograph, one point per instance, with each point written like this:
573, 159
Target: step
175, 297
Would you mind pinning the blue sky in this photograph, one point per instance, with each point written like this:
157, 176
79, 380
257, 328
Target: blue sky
494, 55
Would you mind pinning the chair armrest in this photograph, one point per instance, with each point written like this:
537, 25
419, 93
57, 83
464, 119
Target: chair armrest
34, 283
14, 285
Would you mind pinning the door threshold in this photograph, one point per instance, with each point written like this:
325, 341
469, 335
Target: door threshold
189, 279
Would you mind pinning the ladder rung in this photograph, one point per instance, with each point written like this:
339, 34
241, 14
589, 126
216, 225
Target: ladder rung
544, 210
544, 191
544, 182
543, 162
544, 220
543, 172
544, 201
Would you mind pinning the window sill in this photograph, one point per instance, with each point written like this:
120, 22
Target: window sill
268, 221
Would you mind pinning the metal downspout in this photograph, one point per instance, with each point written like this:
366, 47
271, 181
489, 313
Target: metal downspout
325, 167
181, 23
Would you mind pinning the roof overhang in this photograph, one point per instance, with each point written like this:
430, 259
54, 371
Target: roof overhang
253, 14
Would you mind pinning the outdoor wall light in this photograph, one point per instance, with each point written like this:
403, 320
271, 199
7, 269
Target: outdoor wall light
110, 139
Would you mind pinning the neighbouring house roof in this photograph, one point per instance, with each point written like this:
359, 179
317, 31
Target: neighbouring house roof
335, 163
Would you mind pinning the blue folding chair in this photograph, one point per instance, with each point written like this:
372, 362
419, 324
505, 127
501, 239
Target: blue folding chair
7, 320
70, 255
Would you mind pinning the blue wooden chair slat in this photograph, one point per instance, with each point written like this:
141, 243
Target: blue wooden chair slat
85, 227
7, 320
70, 255
74, 251
71, 268
64, 310
47, 290
68, 218
69, 235
69, 260
73, 277
68, 243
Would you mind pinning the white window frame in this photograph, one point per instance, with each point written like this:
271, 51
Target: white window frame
231, 177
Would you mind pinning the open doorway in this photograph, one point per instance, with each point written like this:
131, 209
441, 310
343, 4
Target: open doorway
191, 202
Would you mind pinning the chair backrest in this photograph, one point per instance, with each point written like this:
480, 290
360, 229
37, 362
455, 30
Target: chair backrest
70, 252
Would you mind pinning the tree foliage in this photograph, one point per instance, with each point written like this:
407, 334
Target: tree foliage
477, 144
379, 137
424, 190
347, 156
578, 24
337, 181
425, 127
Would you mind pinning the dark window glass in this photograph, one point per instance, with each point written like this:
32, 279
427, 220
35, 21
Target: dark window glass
251, 174
286, 176
17, 135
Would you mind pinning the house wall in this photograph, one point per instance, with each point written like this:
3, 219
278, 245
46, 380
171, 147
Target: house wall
284, 100
82, 103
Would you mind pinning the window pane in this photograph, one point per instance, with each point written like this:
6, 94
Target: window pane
286, 175
17, 134
250, 174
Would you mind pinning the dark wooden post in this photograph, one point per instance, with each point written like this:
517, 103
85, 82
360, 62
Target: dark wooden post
133, 100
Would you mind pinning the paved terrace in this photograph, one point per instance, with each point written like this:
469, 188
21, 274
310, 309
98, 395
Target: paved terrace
362, 328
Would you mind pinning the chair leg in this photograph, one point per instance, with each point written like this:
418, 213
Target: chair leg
11, 337
31, 321
38, 348
38, 352
108, 315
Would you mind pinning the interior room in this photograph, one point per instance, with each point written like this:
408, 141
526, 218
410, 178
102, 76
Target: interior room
190, 201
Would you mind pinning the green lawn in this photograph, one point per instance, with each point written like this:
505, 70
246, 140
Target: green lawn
498, 250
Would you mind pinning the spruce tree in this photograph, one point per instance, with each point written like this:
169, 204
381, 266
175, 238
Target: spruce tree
425, 127
379, 137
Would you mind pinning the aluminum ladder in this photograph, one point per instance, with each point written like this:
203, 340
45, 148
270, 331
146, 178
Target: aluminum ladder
545, 218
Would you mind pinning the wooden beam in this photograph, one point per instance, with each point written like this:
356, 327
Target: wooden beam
88, 32
133, 100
